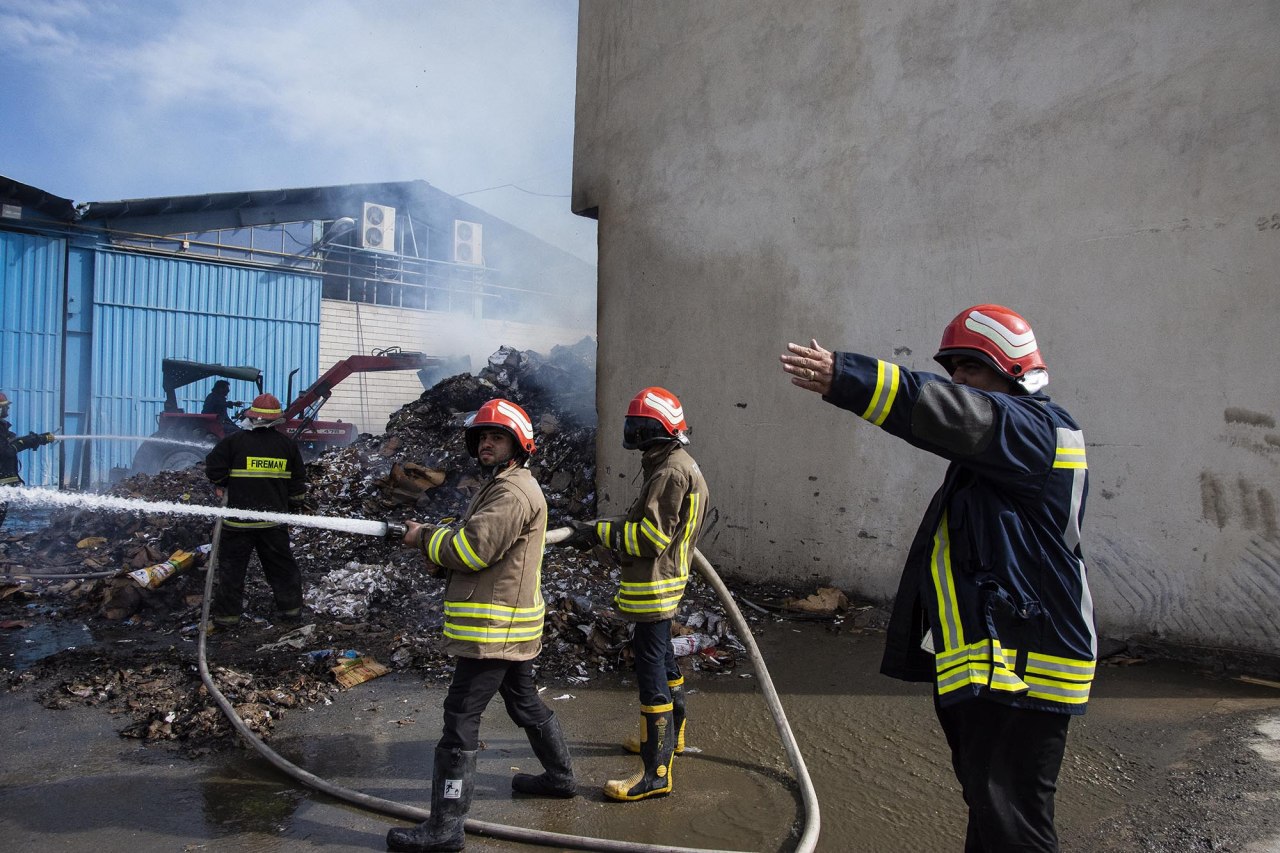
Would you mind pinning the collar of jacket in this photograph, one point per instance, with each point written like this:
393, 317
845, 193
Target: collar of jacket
656, 455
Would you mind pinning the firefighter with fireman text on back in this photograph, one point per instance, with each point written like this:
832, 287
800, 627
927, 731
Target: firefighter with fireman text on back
493, 618
993, 606
262, 469
654, 544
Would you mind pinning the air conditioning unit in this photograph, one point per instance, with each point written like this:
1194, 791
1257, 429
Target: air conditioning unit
468, 239
378, 228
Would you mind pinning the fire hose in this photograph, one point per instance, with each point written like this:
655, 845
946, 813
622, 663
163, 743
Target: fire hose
809, 798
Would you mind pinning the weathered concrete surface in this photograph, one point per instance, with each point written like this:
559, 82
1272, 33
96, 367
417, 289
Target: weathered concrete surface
861, 171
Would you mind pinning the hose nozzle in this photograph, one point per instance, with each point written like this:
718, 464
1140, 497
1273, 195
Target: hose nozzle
395, 531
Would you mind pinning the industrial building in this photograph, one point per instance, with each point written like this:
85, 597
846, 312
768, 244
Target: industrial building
94, 296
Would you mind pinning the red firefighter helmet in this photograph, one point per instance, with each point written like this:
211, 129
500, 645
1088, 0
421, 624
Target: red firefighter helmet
4, 404
655, 414
265, 409
504, 415
998, 337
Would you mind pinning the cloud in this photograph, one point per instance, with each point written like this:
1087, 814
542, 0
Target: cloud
191, 97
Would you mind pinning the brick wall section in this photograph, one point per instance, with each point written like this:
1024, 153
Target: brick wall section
353, 328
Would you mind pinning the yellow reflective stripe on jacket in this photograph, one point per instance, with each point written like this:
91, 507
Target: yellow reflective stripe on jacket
887, 376
433, 544
260, 474
4, 481
492, 623
1070, 451
659, 539
690, 527
631, 538
651, 596
604, 532
467, 553
1059, 679
984, 663
944, 586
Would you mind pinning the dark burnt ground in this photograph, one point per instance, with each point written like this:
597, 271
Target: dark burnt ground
365, 595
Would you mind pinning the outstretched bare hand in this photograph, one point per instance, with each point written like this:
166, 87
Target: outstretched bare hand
810, 367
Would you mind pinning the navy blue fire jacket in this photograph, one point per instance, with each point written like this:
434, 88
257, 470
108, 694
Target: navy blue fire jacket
993, 601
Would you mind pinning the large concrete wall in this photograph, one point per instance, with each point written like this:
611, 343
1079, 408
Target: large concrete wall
859, 172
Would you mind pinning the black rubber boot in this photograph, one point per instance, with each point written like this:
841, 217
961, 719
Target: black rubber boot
453, 780
548, 745
632, 742
657, 751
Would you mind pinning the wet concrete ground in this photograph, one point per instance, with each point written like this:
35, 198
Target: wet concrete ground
1166, 760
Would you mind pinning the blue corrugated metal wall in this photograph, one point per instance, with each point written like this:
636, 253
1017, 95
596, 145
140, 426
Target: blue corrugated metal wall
31, 304
150, 308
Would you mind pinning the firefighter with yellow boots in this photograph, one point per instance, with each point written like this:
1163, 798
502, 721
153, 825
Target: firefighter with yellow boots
654, 544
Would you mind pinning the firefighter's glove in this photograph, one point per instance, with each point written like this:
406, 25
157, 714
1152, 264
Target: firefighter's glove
582, 535
239, 404
37, 439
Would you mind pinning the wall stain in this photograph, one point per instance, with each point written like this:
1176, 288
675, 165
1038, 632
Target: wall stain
1212, 506
1236, 415
1247, 504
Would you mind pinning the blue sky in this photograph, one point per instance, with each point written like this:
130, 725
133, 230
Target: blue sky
109, 99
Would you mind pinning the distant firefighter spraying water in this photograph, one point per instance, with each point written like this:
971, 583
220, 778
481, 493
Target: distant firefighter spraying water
10, 445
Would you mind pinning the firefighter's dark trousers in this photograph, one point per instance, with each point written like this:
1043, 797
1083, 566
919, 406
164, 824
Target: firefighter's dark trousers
1007, 760
474, 683
282, 574
655, 662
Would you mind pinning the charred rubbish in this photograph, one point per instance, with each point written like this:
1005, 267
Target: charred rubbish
370, 606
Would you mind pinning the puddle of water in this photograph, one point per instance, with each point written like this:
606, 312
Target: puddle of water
20, 648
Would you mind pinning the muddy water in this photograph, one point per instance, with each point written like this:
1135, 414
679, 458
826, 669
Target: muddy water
877, 759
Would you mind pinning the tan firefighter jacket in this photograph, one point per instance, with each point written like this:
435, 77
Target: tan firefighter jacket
493, 594
654, 541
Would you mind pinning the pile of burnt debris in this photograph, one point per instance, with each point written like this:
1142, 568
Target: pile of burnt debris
136, 582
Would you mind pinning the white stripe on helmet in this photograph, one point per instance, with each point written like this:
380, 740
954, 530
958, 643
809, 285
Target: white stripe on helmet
673, 414
1011, 343
526, 426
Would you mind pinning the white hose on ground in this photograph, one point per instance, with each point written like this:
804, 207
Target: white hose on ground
808, 839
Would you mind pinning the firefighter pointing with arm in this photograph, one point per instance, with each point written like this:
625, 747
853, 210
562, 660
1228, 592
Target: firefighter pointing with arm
260, 469
993, 606
493, 617
654, 544
11, 445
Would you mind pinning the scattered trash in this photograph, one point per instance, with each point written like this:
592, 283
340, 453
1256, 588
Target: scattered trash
152, 576
827, 601
352, 671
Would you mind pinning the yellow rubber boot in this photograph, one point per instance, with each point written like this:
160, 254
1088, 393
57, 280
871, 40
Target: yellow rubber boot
632, 742
657, 751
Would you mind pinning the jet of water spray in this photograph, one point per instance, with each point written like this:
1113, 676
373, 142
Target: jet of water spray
157, 439
25, 495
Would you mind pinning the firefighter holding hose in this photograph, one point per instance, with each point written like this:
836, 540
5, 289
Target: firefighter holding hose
493, 618
11, 445
654, 544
